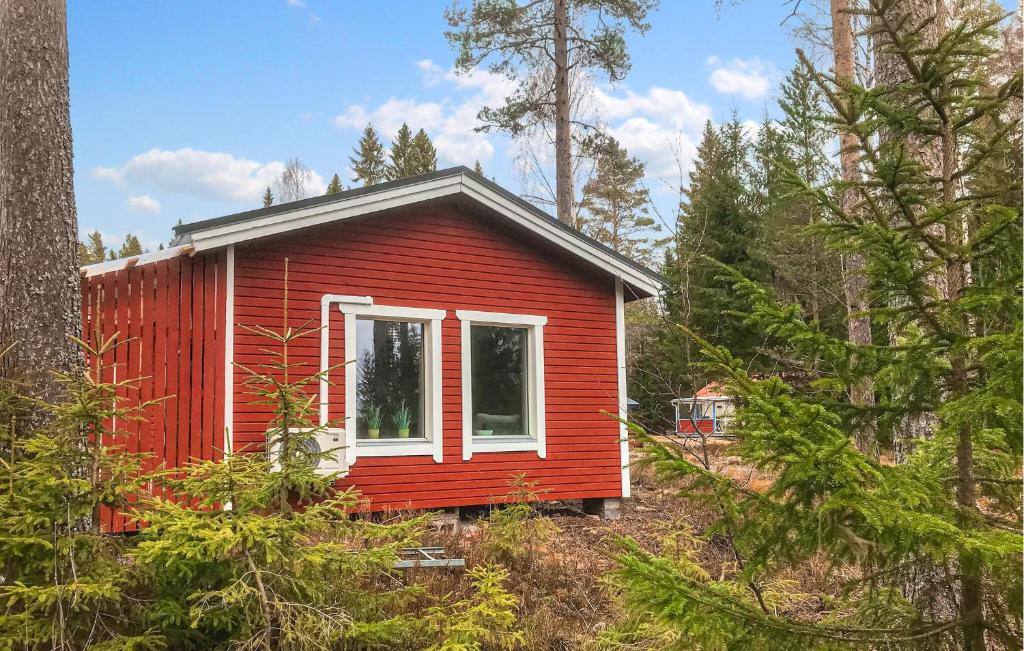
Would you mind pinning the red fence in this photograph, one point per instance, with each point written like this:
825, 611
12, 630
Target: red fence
168, 317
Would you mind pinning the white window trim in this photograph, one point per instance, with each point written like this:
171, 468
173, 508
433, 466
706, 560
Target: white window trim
351, 308
535, 385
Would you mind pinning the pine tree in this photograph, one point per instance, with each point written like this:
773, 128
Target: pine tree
334, 186
130, 247
951, 512
545, 45
403, 158
615, 207
478, 168
423, 153
369, 162
268, 198
93, 250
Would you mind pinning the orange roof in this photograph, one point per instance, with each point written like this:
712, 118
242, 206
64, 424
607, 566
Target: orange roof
713, 390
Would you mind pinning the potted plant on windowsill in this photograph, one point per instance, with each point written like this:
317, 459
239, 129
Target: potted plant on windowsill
373, 416
402, 419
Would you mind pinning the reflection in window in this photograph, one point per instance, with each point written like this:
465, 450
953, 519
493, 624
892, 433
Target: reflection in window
499, 391
389, 379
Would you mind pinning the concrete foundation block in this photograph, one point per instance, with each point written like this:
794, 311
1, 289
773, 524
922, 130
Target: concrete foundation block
606, 508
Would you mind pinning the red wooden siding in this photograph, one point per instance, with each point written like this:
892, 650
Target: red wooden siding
169, 320
443, 259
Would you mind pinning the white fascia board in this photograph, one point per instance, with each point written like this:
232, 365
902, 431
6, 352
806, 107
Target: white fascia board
549, 230
404, 195
356, 206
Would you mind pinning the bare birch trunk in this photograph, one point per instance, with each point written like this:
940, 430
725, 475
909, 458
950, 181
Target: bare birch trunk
855, 282
40, 300
563, 133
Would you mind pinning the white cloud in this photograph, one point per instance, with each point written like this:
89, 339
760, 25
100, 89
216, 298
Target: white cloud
670, 107
450, 122
748, 78
142, 203
432, 72
389, 116
209, 175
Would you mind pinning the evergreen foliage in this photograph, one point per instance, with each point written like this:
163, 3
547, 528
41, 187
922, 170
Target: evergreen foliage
131, 246
369, 161
615, 205
260, 550
718, 223
268, 198
478, 168
334, 186
403, 155
63, 582
950, 514
93, 250
423, 153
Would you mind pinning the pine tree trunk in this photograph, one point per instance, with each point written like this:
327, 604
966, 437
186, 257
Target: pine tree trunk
40, 301
855, 282
563, 134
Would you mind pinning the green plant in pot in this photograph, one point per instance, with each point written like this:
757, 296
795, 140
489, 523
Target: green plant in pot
402, 418
373, 415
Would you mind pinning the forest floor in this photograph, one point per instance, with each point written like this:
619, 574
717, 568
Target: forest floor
566, 599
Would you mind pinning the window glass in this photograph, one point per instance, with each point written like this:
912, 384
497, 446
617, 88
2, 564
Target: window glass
389, 379
499, 391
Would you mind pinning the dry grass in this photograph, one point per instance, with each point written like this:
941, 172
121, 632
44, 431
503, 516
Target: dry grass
564, 600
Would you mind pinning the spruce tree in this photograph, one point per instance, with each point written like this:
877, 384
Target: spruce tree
478, 168
718, 225
616, 204
403, 155
804, 271
93, 250
369, 160
63, 580
334, 186
130, 247
268, 198
258, 550
423, 153
951, 512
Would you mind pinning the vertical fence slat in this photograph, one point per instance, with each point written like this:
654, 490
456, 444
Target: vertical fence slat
173, 359
184, 362
121, 368
209, 392
198, 338
217, 439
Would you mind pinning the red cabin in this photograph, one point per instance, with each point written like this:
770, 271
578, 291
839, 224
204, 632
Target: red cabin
706, 412
483, 339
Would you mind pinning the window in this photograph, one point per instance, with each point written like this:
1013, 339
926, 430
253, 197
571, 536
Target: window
502, 382
392, 380
499, 378
390, 383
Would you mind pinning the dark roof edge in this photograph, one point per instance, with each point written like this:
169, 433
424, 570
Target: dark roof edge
185, 229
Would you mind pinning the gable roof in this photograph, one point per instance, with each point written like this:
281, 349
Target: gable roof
458, 182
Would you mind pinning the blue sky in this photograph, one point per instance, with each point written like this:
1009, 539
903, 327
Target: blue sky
188, 110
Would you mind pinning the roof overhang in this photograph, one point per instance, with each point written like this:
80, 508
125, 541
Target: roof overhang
276, 220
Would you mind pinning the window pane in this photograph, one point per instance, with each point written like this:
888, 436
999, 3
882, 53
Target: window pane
390, 381
499, 381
